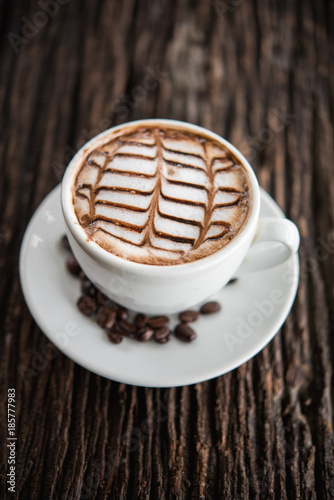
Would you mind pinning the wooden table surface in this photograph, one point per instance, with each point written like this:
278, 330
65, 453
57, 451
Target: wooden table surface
258, 73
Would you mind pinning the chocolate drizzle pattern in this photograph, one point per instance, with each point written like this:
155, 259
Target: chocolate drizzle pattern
161, 196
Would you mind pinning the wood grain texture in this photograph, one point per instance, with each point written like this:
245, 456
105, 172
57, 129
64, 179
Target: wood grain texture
261, 74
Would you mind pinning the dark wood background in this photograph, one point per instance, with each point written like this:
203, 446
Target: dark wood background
260, 73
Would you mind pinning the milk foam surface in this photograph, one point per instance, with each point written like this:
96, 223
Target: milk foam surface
161, 196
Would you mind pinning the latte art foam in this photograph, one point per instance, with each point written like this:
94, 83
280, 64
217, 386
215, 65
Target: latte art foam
161, 196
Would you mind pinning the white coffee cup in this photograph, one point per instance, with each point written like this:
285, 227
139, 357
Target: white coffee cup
168, 289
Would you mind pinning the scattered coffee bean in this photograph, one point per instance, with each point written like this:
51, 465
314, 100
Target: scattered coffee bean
115, 319
123, 329
122, 312
141, 320
102, 316
88, 288
161, 334
114, 337
106, 317
158, 321
210, 307
164, 340
86, 305
129, 327
189, 316
184, 332
101, 299
72, 265
111, 319
233, 280
145, 334
65, 243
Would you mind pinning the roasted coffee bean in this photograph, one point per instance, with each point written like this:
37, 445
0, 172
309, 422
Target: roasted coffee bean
86, 305
82, 275
101, 299
126, 333
72, 265
210, 307
65, 243
158, 321
106, 317
141, 320
233, 280
102, 316
188, 316
111, 319
122, 312
88, 288
145, 334
115, 328
161, 334
129, 327
114, 337
184, 332
122, 327
164, 340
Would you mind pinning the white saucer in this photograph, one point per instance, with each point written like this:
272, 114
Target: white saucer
254, 308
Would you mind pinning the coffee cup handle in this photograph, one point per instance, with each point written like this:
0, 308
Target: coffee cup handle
275, 241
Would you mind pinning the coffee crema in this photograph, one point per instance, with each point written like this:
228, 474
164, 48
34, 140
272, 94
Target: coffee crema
159, 195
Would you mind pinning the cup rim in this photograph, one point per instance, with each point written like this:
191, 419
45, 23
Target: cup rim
98, 253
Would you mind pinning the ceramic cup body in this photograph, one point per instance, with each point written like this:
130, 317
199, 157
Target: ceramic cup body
168, 289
